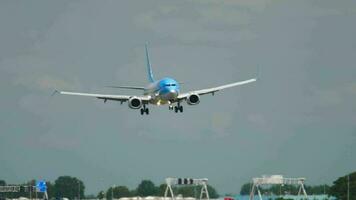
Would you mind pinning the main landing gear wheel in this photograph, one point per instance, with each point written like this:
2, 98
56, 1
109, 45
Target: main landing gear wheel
178, 108
145, 110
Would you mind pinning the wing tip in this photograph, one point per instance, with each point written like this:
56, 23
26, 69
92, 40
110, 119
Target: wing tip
55, 92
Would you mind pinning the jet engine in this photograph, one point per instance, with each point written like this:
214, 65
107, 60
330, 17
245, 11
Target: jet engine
135, 103
193, 99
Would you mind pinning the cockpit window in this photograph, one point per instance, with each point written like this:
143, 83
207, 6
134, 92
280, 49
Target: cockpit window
170, 84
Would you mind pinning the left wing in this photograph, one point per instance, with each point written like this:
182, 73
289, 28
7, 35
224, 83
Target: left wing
215, 89
105, 97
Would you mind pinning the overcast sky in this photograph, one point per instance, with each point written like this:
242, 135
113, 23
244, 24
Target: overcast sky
298, 120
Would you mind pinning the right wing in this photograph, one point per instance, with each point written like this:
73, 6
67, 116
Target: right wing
105, 97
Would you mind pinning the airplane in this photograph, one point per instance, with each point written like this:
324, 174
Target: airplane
165, 91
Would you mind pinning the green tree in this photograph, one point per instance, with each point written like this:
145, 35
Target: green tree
134, 192
281, 189
195, 192
31, 191
246, 189
90, 196
161, 189
281, 198
50, 190
2, 183
101, 195
339, 187
317, 189
69, 187
118, 192
146, 188
213, 193
187, 191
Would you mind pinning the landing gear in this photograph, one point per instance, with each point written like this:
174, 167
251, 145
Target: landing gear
177, 108
145, 110
170, 107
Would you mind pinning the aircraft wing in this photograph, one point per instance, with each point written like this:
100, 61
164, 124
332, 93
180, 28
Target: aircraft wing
215, 89
105, 97
127, 87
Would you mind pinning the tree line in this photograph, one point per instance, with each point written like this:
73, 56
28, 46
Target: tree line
73, 188
63, 186
148, 188
338, 189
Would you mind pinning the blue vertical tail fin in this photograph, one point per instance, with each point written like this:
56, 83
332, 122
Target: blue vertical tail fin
149, 68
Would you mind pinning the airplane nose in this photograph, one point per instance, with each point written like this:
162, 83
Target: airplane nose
172, 94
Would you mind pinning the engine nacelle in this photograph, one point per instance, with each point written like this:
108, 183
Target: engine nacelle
135, 103
193, 99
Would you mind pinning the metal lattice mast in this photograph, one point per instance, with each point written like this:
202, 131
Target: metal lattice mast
187, 181
276, 180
